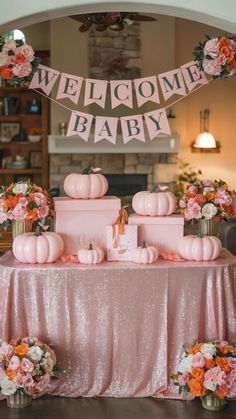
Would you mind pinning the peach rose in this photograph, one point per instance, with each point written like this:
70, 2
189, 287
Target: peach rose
221, 392
196, 388
223, 364
196, 348
11, 374
210, 363
198, 374
22, 349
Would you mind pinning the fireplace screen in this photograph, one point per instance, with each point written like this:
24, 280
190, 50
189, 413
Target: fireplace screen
126, 184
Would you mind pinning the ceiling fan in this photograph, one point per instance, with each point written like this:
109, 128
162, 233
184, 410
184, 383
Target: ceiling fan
113, 20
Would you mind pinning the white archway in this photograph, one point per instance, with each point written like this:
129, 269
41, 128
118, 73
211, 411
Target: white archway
211, 12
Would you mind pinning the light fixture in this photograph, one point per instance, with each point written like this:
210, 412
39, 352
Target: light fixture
205, 141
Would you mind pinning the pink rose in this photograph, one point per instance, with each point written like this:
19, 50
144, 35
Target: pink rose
19, 380
198, 360
193, 212
223, 197
28, 381
11, 60
6, 350
27, 365
232, 363
27, 51
10, 44
40, 199
182, 204
211, 48
43, 212
14, 363
23, 201
43, 383
221, 59
22, 70
211, 67
19, 212
183, 378
214, 377
192, 189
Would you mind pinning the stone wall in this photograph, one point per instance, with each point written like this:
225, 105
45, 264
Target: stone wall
144, 163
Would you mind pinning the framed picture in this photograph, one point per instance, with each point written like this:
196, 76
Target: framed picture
36, 159
8, 130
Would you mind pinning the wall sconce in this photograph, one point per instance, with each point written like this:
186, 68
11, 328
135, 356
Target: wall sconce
205, 141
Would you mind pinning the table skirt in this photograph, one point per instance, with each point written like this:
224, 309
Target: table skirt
118, 328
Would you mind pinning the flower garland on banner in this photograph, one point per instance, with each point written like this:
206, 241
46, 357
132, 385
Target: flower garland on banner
19, 66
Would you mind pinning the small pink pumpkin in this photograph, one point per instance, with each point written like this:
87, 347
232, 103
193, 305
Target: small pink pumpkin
91, 256
145, 254
154, 203
199, 248
34, 248
86, 186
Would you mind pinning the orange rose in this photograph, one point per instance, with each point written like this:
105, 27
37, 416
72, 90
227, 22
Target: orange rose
10, 201
225, 51
221, 392
198, 373
11, 373
223, 364
196, 348
225, 349
200, 199
210, 363
196, 387
6, 72
20, 59
224, 42
232, 64
211, 195
22, 349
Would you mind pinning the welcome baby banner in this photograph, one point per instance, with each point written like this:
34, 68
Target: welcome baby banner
180, 81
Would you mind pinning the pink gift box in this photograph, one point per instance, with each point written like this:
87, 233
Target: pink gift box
125, 243
84, 221
163, 232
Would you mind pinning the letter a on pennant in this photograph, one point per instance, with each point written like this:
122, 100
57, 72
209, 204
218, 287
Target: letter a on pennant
192, 75
121, 93
132, 127
95, 92
69, 87
172, 83
44, 79
157, 123
105, 128
80, 124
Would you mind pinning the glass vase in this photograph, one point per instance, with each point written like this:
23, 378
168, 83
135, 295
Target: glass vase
212, 402
19, 400
208, 227
21, 227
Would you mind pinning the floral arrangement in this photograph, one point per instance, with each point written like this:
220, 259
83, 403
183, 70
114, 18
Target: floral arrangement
206, 368
207, 200
23, 201
26, 366
17, 62
217, 56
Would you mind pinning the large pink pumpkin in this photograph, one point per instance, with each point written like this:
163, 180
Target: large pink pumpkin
199, 248
85, 186
154, 203
46, 248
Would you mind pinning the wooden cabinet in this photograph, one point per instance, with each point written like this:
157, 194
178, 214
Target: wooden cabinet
18, 114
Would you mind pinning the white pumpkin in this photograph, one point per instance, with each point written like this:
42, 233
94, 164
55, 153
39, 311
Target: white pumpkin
91, 256
145, 254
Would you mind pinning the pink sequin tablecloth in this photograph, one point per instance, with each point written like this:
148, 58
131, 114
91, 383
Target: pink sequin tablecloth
118, 328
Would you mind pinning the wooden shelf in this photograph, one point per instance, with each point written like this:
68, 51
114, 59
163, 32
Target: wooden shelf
20, 117
13, 144
20, 171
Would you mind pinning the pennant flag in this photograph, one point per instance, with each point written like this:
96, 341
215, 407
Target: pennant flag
105, 128
95, 92
132, 127
121, 93
192, 75
146, 89
80, 124
172, 83
157, 123
69, 87
44, 78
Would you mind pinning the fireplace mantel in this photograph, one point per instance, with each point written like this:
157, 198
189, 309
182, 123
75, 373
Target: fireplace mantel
58, 144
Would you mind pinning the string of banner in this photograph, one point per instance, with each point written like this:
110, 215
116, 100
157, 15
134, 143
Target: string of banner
174, 82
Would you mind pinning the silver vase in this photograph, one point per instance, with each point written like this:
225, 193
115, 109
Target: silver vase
19, 400
208, 227
21, 227
212, 402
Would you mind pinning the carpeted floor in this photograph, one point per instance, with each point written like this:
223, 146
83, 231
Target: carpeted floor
105, 408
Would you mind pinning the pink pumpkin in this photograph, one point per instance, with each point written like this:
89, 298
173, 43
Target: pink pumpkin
154, 203
91, 256
199, 248
145, 254
85, 186
43, 248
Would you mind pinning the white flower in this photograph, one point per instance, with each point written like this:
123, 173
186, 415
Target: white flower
35, 353
208, 350
3, 59
209, 210
185, 364
9, 44
20, 188
210, 385
7, 386
207, 189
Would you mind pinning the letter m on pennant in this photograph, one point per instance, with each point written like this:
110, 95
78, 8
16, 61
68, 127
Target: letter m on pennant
44, 79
